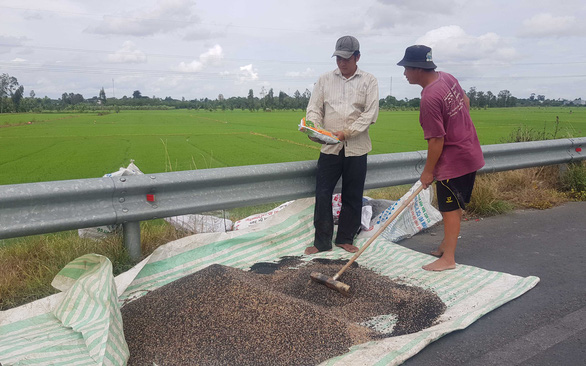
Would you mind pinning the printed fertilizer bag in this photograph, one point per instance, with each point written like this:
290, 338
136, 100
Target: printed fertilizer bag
418, 215
101, 232
311, 130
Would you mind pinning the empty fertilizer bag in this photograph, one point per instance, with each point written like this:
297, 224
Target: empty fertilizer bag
310, 129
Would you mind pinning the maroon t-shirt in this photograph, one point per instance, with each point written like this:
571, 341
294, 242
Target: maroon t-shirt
443, 113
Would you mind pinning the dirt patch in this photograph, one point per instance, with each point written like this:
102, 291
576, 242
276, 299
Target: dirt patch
271, 315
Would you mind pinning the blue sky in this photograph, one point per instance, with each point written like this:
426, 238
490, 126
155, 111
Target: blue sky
197, 49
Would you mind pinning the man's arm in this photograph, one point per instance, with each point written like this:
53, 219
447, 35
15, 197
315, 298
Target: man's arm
467, 101
435, 146
315, 107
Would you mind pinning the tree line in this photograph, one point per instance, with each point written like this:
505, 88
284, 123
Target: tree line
13, 99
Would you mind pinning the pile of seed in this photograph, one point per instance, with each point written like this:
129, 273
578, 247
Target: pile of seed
271, 315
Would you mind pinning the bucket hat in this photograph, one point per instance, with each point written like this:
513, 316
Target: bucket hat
418, 56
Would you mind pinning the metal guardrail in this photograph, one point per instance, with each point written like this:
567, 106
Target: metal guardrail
46, 207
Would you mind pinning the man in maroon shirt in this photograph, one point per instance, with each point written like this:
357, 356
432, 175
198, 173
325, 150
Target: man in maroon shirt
453, 150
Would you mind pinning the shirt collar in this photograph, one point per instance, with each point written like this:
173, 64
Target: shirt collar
358, 72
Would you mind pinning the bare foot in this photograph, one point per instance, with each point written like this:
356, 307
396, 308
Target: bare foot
438, 252
348, 247
313, 250
439, 265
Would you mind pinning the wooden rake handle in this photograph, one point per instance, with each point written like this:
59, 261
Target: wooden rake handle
380, 230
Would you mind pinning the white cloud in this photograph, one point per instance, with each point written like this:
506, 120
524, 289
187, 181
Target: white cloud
399, 14
301, 74
9, 43
167, 16
212, 57
18, 60
423, 6
247, 73
454, 44
128, 54
546, 24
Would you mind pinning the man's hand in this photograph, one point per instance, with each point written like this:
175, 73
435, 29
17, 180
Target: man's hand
426, 179
339, 135
316, 140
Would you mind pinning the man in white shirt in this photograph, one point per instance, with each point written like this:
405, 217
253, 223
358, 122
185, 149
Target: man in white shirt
345, 102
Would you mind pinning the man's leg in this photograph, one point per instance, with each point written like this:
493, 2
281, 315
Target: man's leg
447, 260
329, 169
353, 178
452, 197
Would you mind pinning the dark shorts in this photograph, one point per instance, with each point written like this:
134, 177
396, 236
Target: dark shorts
455, 193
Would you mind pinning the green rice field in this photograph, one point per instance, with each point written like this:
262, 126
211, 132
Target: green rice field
53, 146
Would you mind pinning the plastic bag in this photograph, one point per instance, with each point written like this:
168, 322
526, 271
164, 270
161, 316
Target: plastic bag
310, 129
101, 232
196, 224
366, 214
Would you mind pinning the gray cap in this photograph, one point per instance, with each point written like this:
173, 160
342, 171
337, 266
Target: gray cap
346, 46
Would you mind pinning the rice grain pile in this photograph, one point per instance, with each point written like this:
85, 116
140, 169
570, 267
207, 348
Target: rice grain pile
271, 315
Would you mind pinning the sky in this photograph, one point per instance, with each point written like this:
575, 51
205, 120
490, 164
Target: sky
201, 49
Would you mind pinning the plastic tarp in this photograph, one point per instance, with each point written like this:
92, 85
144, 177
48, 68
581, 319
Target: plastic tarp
33, 334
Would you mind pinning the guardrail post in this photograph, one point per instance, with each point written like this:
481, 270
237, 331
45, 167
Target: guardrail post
131, 232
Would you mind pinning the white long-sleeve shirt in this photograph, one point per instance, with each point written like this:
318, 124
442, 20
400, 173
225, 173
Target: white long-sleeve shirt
348, 105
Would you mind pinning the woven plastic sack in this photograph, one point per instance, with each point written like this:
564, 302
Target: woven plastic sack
420, 214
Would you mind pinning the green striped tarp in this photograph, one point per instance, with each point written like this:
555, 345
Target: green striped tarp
62, 337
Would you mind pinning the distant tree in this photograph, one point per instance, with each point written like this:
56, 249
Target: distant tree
102, 96
305, 98
271, 99
503, 97
8, 85
472, 95
76, 98
32, 94
17, 97
136, 94
297, 101
481, 99
251, 100
414, 103
490, 99
283, 99
65, 99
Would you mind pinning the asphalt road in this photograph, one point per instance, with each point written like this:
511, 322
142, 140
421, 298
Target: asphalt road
546, 325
